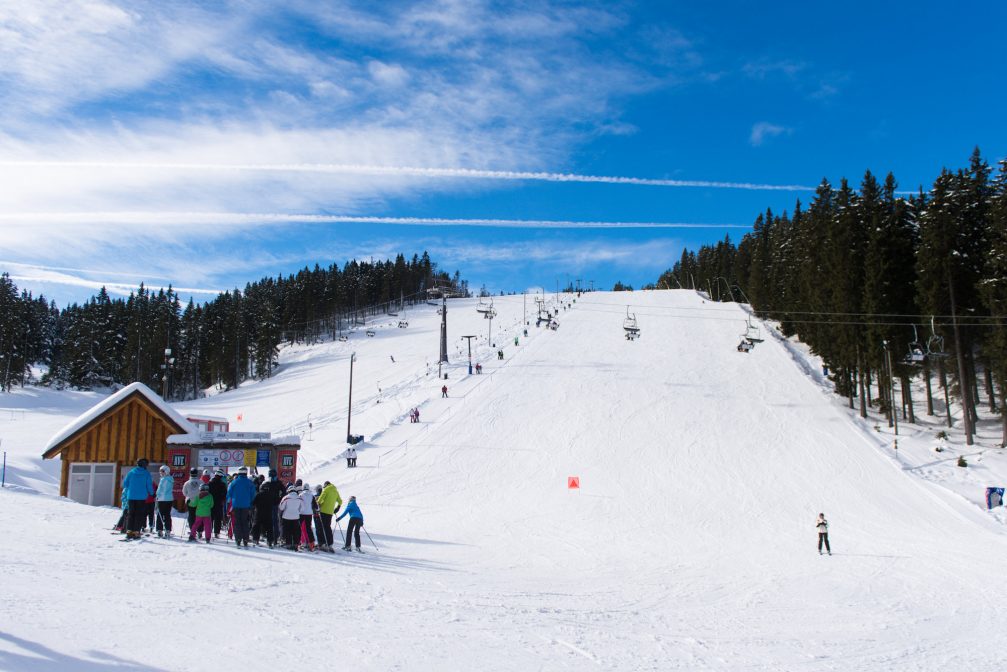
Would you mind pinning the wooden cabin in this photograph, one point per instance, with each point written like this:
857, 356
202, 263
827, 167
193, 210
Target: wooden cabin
99, 447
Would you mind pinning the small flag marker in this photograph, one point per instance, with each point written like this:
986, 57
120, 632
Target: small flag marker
573, 482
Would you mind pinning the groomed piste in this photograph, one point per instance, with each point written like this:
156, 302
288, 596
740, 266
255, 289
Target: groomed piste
690, 543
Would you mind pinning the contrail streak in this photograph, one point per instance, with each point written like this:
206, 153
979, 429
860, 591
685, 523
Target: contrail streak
408, 171
242, 218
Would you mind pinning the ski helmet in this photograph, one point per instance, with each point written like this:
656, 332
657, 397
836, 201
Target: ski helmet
165, 469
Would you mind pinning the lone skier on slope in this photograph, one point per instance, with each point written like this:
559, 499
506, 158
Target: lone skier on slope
823, 533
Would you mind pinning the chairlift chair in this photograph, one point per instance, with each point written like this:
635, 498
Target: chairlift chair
630, 326
343, 338
370, 333
935, 344
485, 308
752, 333
917, 353
745, 346
403, 324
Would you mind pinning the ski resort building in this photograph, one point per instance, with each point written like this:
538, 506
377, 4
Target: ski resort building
229, 451
101, 445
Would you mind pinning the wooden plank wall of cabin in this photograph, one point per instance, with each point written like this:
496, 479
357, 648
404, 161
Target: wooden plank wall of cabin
132, 431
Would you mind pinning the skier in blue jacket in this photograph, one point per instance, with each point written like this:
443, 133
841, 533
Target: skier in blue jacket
165, 498
356, 522
136, 488
240, 494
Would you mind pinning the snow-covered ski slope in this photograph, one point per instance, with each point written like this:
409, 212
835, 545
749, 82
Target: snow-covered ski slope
690, 544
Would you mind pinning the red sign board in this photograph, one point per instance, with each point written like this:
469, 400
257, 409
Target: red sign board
178, 462
286, 465
573, 482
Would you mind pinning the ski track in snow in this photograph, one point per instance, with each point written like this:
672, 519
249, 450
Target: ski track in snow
690, 545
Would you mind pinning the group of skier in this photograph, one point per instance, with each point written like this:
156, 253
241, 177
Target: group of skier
247, 508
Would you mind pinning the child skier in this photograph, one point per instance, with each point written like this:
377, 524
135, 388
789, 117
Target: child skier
823, 533
356, 522
290, 514
190, 490
204, 507
165, 498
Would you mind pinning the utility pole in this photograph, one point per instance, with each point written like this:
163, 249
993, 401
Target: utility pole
349, 410
166, 369
469, 338
893, 418
963, 382
489, 334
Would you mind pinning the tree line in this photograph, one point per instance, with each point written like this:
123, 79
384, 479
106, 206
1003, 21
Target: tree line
866, 274
109, 342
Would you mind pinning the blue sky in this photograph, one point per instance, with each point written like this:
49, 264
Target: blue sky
211, 144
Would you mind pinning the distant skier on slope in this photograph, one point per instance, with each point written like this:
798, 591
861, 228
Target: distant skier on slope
444, 392
823, 533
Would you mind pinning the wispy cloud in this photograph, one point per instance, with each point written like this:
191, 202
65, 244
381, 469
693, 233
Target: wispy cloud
162, 218
763, 130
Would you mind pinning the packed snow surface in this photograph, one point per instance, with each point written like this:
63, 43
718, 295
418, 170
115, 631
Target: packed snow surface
689, 545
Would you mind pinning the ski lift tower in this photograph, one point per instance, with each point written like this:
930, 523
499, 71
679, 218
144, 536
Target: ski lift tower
444, 334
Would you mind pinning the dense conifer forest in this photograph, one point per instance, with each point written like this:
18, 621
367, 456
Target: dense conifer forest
866, 273
108, 342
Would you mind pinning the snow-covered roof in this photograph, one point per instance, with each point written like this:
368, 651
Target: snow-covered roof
110, 402
210, 438
200, 416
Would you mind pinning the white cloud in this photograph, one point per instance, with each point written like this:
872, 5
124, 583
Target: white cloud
763, 130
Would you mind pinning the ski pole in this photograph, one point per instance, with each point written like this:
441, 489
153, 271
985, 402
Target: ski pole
343, 538
369, 537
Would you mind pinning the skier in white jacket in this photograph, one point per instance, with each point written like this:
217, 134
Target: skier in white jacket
290, 515
308, 508
190, 490
823, 533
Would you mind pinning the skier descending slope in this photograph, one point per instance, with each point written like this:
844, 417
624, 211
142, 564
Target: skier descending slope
356, 522
823, 533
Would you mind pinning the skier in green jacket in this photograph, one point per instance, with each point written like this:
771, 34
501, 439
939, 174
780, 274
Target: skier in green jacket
329, 502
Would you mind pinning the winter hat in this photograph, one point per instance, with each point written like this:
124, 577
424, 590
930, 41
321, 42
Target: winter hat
165, 469
194, 472
305, 486
243, 470
206, 472
219, 472
298, 482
